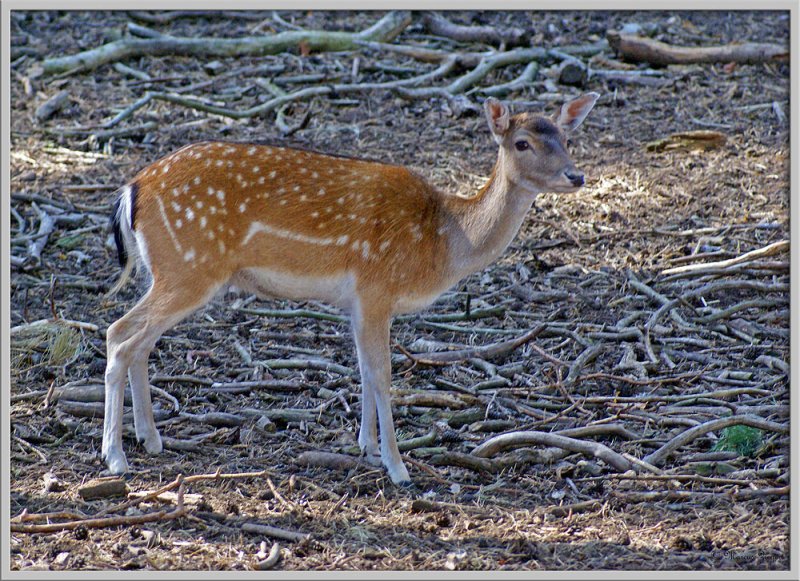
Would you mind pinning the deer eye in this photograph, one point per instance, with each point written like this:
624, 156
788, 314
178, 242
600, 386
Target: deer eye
521, 145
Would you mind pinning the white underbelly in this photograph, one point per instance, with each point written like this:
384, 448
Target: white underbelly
335, 290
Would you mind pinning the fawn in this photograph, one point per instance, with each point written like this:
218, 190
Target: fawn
373, 239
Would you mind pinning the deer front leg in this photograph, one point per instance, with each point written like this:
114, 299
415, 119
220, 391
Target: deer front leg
371, 331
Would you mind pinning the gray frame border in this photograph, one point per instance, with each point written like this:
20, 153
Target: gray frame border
5, 314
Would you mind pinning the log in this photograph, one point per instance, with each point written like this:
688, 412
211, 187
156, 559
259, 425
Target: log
646, 50
386, 29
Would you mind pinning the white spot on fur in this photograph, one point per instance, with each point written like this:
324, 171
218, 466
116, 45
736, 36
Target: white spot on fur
203, 221
175, 206
242, 208
251, 151
189, 214
189, 255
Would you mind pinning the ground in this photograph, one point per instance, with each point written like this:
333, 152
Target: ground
587, 266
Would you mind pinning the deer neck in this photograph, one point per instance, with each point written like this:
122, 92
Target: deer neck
480, 228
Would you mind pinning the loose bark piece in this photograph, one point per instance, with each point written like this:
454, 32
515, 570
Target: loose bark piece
572, 72
689, 140
327, 460
271, 559
647, 50
103, 488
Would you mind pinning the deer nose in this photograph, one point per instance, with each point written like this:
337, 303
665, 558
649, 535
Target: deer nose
575, 177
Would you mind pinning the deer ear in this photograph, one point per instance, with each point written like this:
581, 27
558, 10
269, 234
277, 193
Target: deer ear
574, 112
498, 117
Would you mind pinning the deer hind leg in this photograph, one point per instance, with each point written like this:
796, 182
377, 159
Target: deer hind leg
371, 331
368, 433
130, 341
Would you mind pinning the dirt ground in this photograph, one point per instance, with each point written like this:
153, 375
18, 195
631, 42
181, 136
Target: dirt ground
588, 266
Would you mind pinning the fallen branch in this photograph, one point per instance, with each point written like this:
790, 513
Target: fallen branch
274, 532
523, 81
112, 521
519, 439
647, 50
484, 352
44, 323
659, 456
169, 16
438, 25
293, 313
769, 250
386, 29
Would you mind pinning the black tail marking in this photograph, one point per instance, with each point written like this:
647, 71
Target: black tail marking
134, 190
122, 253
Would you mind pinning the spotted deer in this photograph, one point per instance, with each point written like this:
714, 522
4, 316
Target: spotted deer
373, 239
